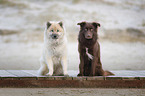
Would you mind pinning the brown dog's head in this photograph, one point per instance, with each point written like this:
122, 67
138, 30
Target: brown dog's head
89, 29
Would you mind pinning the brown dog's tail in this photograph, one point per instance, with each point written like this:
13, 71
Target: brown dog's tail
107, 73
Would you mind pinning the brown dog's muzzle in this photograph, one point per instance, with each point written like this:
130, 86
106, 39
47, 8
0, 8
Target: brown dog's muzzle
88, 35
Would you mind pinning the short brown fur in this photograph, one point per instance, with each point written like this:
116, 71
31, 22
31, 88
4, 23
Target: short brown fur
88, 39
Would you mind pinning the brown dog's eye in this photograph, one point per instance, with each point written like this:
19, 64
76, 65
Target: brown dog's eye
86, 29
91, 29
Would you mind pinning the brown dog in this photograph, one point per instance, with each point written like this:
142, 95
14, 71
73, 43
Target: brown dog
89, 50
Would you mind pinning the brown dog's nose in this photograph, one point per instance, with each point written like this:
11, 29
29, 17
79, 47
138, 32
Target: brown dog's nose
88, 36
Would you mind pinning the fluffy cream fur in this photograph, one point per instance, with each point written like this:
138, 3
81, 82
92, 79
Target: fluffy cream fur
54, 58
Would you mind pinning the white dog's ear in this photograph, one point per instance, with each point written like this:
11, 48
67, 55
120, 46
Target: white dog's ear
61, 24
48, 24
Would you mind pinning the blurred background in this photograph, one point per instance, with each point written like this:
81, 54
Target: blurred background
121, 35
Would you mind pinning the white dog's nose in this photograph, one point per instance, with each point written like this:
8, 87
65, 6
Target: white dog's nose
54, 36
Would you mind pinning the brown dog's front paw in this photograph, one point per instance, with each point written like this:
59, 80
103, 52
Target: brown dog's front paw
91, 75
79, 74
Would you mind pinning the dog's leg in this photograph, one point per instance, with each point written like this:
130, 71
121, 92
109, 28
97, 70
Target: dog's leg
94, 61
50, 66
97, 68
64, 64
93, 67
43, 67
82, 55
81, 66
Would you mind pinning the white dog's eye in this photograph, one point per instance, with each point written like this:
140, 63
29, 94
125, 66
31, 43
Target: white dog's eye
51, 30
57, 30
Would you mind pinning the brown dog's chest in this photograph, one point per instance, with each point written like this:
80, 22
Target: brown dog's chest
89, 53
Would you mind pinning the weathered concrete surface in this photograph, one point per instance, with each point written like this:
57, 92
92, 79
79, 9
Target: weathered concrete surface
70, 92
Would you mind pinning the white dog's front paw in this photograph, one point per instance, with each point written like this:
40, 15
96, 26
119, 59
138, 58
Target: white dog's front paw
40, 72
49, 74
66, 75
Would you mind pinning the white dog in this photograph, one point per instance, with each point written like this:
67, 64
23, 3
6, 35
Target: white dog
54, 58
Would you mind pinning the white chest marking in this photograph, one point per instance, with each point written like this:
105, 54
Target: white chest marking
88, 54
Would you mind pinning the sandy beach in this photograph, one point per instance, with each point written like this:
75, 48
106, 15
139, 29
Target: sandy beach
71, 92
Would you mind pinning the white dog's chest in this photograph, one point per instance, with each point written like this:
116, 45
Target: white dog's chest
56, 51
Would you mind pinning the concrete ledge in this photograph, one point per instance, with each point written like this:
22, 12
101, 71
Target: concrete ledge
29, 79
72, 82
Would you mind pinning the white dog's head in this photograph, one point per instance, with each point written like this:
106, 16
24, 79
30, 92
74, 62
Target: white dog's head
54, 30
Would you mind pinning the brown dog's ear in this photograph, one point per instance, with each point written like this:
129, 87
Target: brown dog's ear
48, 24
96, 24
81, 23
61, 24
